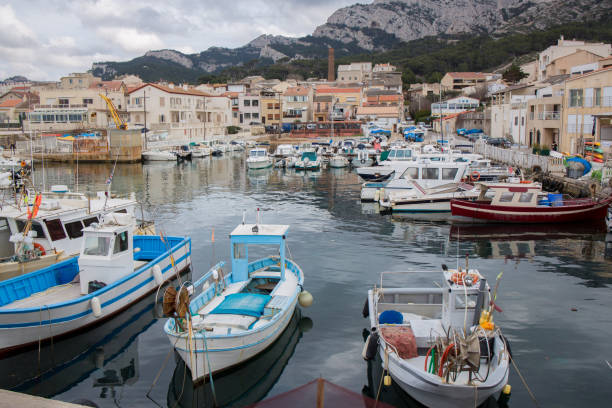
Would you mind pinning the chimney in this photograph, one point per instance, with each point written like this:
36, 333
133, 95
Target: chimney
331, 70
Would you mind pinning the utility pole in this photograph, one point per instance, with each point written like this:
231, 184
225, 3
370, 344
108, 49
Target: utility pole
441, 121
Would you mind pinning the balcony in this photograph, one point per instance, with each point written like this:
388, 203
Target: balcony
60, 106
549, 115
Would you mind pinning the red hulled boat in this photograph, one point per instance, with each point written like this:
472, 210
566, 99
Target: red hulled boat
524, 203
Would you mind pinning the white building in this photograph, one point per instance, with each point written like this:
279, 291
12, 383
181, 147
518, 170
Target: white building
454, 105
509, 112
249, 106
183, 113
566, 47
354, 72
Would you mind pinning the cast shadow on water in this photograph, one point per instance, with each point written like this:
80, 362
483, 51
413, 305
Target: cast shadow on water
242, 385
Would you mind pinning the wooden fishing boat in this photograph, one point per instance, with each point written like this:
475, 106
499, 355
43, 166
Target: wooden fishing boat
522, 203
438, 343
113, 270
236, 315
10, 269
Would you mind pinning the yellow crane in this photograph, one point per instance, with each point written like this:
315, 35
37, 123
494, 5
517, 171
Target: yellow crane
113, 111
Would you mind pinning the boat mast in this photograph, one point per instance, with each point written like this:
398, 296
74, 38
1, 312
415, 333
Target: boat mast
441, 127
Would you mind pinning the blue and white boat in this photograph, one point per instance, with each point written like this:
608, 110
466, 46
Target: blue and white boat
114, 270
235, 316
308, 161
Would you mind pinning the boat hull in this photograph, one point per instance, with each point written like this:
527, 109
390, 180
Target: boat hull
24, 327
589, 211
226, 352
256, 165
158, 156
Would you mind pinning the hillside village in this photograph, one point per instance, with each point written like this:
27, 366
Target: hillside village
560, 100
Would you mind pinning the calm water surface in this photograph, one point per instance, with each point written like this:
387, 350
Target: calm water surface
555, 292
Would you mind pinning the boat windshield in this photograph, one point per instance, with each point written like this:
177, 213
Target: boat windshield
97, 245
312, 156
258, 153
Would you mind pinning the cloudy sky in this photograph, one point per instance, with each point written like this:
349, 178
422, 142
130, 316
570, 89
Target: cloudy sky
45, 39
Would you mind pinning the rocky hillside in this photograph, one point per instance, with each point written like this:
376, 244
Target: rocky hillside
363, 28
411, 19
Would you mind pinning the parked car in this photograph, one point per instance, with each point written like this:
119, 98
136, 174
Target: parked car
477, 136
499, 142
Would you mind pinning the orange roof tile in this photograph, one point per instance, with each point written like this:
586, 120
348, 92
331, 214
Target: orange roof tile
389, 98
337, 90
114, 85
10, 103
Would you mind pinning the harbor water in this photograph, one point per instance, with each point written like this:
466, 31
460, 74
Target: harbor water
555, 292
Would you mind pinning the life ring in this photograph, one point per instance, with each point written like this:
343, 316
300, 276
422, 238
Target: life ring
460, 277
475, 176
40, 248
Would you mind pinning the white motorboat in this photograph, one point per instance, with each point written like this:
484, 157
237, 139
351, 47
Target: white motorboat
432, 200
158, 155
284, 150
114, 270
439, 343
236, 315
338, 161
308, 161
259, 159
363, 158
13, 163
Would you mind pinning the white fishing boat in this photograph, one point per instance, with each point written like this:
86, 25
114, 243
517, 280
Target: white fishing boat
433, 200
308, 161
338, 161
259, 159
363, 158
199, 151
236, 315
158, 155
56, 232
114, 270
439, 343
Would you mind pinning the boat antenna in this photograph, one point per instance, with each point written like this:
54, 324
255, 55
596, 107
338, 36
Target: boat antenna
243, 216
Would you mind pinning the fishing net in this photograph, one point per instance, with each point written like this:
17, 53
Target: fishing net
320, 393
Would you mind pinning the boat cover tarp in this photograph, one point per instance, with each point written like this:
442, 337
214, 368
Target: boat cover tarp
402, 339
249, 304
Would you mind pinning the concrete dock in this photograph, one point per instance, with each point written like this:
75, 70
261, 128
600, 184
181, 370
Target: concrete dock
10, 399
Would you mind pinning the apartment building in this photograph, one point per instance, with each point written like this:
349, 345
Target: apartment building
423, 90
587, 110
322, 108
344, 101
384, 68
509, 112
354, 72
454, 105
456, 81
75, 103
271, 102
249, 107
546, 59
563, 65
544, 114
183, 113
298, 104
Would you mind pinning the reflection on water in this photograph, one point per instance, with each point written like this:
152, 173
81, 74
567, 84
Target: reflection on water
555, 291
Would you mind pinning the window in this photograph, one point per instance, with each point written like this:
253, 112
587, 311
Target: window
247, 102
515, 120
597, 97
270, 106
87, 101
255, 102
247, 115
449, 174
270, 116
431, 173
61, 118
239, 251
63, 102
411, 173
75, 117
523, 121
88, 221
162, 101
162, 118
56, 230
575, 97
277, 106
74, 229
36, 227
121, 242
255, 115
277, 116
97, 246
506, 197
525, 198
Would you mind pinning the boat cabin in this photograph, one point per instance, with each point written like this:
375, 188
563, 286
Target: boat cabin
423, 170
312, 156
106, 251
512, 194
258, 152
400, 154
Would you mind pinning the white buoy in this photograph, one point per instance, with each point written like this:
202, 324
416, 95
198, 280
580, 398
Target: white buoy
96, 307
305, 299
157, 274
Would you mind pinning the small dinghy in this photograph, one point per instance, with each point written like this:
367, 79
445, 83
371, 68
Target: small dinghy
234, 316
439, 343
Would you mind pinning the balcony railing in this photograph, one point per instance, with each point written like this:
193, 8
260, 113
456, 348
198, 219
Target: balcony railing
549, 115
60, 106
